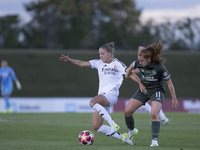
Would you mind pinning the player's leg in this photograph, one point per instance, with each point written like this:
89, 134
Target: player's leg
7, 104
99, 127
131, 107
3, 95
6, 92
98, 103
163, 118
105, 129
147, 107
155, 125
97, 121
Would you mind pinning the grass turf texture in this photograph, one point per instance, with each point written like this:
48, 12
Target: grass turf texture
50, 131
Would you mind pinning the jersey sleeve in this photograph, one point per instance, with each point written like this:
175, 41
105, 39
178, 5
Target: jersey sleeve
95, 63
134, 65
164, 73
14, 77
123, 68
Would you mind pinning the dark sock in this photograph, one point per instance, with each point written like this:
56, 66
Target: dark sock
130, 122
155, 128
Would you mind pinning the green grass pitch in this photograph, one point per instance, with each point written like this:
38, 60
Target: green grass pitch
59, 131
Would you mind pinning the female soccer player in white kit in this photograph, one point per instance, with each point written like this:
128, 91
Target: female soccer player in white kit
110, 72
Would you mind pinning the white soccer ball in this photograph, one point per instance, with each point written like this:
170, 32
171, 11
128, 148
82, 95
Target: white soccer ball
86, 137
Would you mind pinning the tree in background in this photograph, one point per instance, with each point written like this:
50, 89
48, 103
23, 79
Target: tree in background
180, 35
118, 22
187, 36
78, 24
9, 31
81, 24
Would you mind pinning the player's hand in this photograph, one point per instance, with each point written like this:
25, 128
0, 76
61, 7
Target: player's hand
143, 89
175, 103
19, 87
64, 58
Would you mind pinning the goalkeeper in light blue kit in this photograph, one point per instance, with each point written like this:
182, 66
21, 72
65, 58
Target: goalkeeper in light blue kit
7, 76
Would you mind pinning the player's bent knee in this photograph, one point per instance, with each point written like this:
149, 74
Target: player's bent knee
91, 104
127, 113
154, 116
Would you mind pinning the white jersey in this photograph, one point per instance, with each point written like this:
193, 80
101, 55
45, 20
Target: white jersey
110, 75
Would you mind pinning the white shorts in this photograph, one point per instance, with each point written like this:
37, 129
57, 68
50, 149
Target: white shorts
112, 98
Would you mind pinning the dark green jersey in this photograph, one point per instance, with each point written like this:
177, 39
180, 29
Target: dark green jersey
153, 76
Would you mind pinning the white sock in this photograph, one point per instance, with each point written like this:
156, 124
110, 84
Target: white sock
106, 130
131, 132
162, 115
103, 113
148, 107
154, 142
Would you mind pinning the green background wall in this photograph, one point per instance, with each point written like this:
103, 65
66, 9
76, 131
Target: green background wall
43, 75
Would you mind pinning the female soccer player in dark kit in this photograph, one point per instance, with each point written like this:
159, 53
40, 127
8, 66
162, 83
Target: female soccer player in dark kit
154, 73
110, 72
147, 105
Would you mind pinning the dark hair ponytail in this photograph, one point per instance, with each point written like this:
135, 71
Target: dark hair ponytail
154, 52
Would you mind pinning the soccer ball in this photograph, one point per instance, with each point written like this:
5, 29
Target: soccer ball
86, 137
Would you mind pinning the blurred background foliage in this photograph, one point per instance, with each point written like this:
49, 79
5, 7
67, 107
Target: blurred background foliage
88, 24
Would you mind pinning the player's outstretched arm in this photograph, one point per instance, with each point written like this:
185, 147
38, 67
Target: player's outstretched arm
173, 94
78, 63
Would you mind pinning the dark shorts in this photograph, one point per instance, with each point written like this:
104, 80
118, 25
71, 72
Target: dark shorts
152, 96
